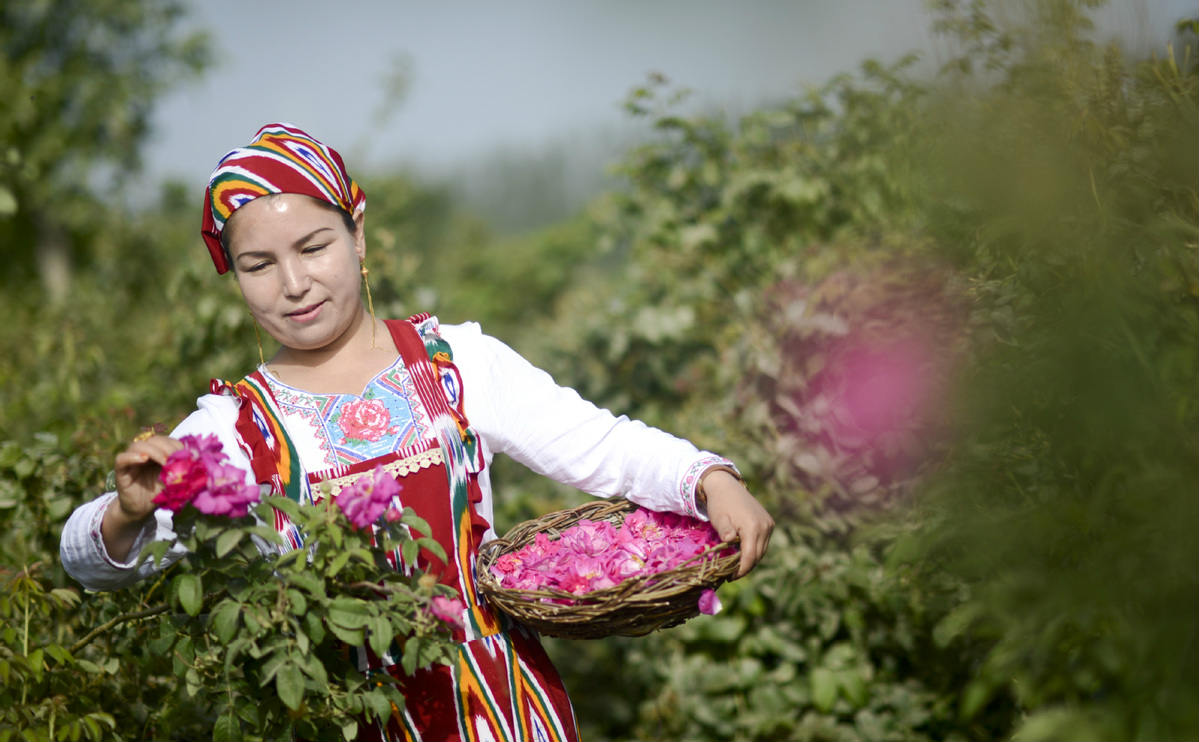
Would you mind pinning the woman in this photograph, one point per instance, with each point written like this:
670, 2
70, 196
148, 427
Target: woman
346, 393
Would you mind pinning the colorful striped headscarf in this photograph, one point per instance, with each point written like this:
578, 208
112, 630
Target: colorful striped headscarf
280, 159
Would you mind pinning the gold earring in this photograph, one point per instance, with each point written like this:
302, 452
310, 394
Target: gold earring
258, 339
370, 305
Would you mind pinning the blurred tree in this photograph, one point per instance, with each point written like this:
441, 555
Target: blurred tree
79, 79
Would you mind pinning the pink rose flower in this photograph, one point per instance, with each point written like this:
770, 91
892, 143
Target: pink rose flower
709, 604
368, 497
199, 474
620, 565
364, 420
227, 493
589, 537
593, 555
641, 524
449, 610
578, 575
506, 565
182, 477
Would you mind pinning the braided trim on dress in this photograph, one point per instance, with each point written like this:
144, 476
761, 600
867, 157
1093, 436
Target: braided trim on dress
398, 468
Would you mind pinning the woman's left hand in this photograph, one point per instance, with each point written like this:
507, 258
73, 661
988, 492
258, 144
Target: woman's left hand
735, 514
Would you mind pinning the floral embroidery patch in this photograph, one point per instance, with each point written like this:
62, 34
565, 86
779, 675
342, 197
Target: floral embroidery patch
364, 420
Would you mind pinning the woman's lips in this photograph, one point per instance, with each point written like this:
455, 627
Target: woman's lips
306, 314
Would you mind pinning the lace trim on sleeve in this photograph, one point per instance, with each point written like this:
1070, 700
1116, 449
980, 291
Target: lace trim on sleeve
690, 481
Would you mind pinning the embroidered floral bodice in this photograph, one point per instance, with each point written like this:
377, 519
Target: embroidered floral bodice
348, 428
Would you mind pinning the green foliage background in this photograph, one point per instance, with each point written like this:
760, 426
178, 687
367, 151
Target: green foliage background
1036, 579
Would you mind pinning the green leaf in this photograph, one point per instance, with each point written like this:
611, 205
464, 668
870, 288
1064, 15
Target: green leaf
228, 541
409, 551
957, 622
413, 520
87, 666
307, 581
36, 663
302, 641
65, 596
227, 728
824, 688
191, 682
153, 552
269, 535
379, 705
315, 626
411, 655
102, 718
435, 548
234, 649
297, 603
58, 653
284, 505
224, 620
272, 666
349, 730
337, 564
59, 507
380, 635
289, 558
974, 697
247, 711
348, 613
289, 682
190, 593
853, 684
353, 637
313, 668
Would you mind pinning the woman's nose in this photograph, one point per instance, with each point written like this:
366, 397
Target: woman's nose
296, 280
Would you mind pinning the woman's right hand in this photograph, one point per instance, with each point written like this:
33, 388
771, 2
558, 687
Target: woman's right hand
137, 469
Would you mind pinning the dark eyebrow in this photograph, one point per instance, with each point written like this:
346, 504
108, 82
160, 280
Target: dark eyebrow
298, 243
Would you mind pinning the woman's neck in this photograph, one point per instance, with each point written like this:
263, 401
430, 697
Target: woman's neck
344, 366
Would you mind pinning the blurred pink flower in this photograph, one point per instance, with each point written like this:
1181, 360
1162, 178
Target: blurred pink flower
881, 387
449, 610
709, 604
368, 497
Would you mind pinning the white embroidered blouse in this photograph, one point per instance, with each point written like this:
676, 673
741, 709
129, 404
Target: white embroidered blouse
516, 408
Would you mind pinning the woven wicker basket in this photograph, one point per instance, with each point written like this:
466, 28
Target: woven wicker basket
635, 607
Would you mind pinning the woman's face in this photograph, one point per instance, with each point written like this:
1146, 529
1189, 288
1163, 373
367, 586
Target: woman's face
298, 269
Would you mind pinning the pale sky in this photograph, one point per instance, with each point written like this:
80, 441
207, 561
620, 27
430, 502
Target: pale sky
486, 75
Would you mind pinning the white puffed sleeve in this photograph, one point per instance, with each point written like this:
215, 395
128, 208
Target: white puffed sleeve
82, 547
520, 411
